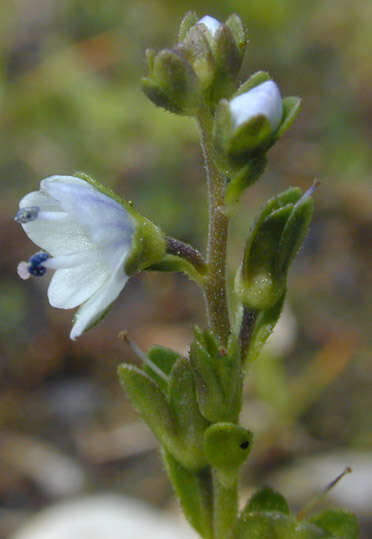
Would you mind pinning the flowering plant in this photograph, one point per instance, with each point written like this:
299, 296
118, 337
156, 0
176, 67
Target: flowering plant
95, 241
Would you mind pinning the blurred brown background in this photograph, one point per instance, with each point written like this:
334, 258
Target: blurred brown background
70, 100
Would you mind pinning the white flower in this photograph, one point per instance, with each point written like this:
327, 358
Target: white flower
86, 236
211, 23
264, 99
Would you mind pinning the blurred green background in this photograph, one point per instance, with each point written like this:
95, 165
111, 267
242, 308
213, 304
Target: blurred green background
70, 100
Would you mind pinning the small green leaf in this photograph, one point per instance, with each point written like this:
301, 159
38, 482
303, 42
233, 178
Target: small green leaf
235, 24
150, 57
217, 374
164, 358
291, 108
177, 79
275, 525
254, 526
263, 328
208, 388
194, 492
248, 137
254, 80
338, 523
267, 499
150, 402
228, 61
187, 22
243, 178
191, 424
158, 96
294, 232
197, 50
222, 131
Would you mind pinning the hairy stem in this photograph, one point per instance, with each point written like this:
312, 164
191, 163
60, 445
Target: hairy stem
225, 505
187, 252
215, 282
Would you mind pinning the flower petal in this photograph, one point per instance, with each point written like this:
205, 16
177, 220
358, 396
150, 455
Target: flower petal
70, 287
57, 237
263, 99
211, 23
94, 308
103, 219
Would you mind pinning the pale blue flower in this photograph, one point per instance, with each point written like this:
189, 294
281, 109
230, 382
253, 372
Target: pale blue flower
86, 237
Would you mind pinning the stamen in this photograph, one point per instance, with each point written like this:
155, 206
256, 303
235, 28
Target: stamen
146, 360
311, 190
35, 264
22, 271
31, 213
25, 215
71, 260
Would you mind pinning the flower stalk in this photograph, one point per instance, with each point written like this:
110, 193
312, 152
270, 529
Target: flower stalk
218, 222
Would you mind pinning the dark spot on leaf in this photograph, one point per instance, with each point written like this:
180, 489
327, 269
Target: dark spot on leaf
244, 445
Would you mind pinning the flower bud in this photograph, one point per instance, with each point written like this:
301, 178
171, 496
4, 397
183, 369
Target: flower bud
215, 50
171, 82
273, 242
263, 100
246, 125
212, 25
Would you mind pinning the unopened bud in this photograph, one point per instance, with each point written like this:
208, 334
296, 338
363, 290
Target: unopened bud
263, 100
271, 247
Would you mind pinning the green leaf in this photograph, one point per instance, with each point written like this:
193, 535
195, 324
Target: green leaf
191, 424
254, 80
290, 196
217, 374
248, 137
294, 233
263, 328
228, 59
187, 22
275, 525
150, 402
164, 358
235, 24
158, 96
208, 388
242, 179
177, 79
194, 492
291, 108
338, 523
267, 499
254, 526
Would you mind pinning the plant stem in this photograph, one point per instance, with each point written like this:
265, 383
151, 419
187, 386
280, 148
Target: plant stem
246, 330
187, 252
215, 281
225, 505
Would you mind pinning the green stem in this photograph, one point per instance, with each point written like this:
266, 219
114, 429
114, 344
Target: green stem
215, 281
225, 505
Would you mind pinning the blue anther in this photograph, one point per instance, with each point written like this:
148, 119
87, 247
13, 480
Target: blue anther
35, 264
25, 215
